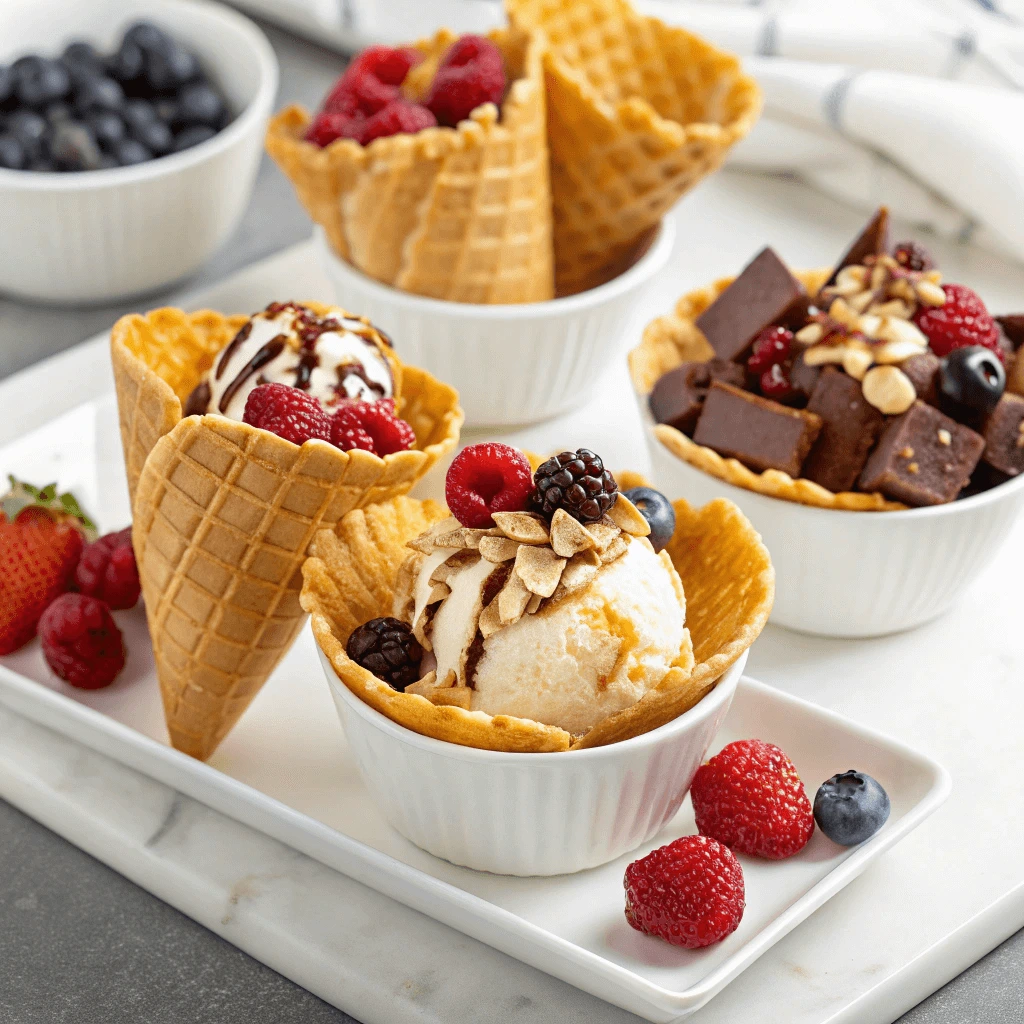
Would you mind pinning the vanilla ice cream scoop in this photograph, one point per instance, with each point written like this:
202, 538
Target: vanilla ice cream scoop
332, 357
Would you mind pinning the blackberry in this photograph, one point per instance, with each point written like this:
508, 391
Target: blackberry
387, 648
913, 256
577, 482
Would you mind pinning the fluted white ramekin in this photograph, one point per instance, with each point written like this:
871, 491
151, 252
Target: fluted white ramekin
96, 236
529, 814
857, 574
511, 364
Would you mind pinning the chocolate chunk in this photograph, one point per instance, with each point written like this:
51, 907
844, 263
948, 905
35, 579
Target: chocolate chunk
923, 371
679, 394
804, 378
872, 241
923, 458
764, 294
850, 428
760, 433
1013, 328
1004, 436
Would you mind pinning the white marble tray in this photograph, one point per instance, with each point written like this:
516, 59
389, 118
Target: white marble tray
919, 917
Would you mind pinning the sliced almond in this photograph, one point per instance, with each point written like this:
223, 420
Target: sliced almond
569, 536
869, 324
578, 572
896, 330
464, 537
857, 361
451, 696
540, 569
524, 527
512, 600
841, 312
423, 686
850, 280
894, 307
860, 302
901, 288
498, 549
604, 531
438, 592
628, 518
490, 619
895, 352
614, 550
811, 334
535, 602
819, 355
452, 564
930, 293
425, 542
879, 275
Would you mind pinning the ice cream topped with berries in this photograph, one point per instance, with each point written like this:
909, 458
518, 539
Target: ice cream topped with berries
332, 357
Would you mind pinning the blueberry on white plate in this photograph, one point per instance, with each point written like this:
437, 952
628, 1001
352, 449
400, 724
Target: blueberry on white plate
850, 807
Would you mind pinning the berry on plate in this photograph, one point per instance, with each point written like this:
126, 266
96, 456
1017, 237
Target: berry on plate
288, 412
387, 648
961, 321
486, 478
41, 540
689, 893
81, 641
750, 797
470, 74
658, 511
851, 807
107, 570
577, 482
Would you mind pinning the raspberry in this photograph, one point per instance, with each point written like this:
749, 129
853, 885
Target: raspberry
330, 125
387, 648
486, 478
347, 433
107, 570
372, 426
771, 348
81, 641
962, 321
750, 797
689, 893
913, 256
288, 412
470, 73
398, 116
387, 64
576, 482
775, 383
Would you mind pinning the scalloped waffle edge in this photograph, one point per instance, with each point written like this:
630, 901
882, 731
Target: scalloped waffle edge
675, 338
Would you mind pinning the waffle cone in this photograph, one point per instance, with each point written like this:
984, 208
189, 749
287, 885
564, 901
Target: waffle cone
462, 213
726, 575
674, 339
224, 513
638, 113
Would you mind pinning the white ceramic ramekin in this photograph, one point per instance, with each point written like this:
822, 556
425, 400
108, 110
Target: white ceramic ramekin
857, 574
103, 235
529, 814
511, 364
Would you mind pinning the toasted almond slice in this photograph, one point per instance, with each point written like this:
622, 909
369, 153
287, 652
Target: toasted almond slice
578, 572
856, 361
628, 518
425, 543
869, 324
569, 536
423, 686
930, 293
894, 329
512, 600
860, 302
901, 288
819, 355
895, 352
539, 568
490, 619
451, 696
438, 592
535, 602
894, 307
840, 311
455, 561
614, 550
498, 549
464, 537
524, 527
604, 531
811, 334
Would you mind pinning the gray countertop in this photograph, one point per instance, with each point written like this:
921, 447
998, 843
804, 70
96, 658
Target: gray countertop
79, 943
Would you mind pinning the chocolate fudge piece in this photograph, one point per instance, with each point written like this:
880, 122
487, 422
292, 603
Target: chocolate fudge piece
765, 293
1013, 328
923, 371
760, 433
849, 429
679, 394
923, 458
804, 378
872, 241
1004, 436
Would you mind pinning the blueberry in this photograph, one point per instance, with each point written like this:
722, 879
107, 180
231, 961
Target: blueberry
82, 61
972, 378
6, 86
138, 113
12, 155
147, 36
850, 808
200, 104
57, 112
126, 63
74, 148
30, 130
658, 512
107, 127
166, 108
99, 93
131, 152
155, 136
170, 69
41, 81
192, 136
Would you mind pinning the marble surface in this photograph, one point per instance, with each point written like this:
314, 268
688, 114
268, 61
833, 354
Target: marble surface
368, 954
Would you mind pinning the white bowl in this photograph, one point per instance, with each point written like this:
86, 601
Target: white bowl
856, 574
96, 236
511, 364
529, 814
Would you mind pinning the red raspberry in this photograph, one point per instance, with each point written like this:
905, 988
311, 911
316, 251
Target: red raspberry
390, 434
398, 116
689, 893
486, 478
387, 64
470, 73
750, 797
288, 412
962, 321
330, 125
371, 80
81, 641
775, 383
771, 348
107, 570
347, 432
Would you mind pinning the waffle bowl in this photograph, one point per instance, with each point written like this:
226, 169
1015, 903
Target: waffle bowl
462, 214
638, 113
726, 574
224, 512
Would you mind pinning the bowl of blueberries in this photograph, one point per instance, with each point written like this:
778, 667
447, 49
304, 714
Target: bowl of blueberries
129, 142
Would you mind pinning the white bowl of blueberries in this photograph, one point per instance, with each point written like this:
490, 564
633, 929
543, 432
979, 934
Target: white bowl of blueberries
130, 136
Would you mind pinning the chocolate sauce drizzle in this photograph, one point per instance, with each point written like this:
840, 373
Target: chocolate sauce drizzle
346, 370
199, 401
225, 356
271, 350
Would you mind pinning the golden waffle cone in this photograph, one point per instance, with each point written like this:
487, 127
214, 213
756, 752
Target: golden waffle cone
462, 213
224, 513
726, 574
638, 113
674, 339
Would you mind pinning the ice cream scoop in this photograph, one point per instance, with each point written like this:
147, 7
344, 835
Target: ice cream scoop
332, 357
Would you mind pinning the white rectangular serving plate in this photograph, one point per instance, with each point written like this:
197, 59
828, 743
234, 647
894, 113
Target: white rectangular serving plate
286, 770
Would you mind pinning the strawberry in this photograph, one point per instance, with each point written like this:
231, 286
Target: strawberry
42, 534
